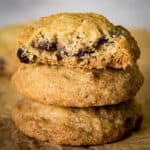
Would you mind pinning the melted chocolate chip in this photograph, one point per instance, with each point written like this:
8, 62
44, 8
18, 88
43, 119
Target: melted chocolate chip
83, 53
34, 58
59, 57
102, 41
47, 46
65, 53
2, 63
22, 57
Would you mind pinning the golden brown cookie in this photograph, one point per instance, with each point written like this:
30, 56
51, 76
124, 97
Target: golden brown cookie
85, 40
8, 45
76, 126
77, 87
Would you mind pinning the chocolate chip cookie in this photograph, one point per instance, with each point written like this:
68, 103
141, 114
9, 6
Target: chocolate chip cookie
83, 40
76, 87
76, 126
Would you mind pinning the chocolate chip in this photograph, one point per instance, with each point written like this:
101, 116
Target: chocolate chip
34, 58
65, 53
2, 63
59, 57
47, 46
22, 57
102, 41
83, 53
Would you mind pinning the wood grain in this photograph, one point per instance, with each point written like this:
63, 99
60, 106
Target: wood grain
11, 138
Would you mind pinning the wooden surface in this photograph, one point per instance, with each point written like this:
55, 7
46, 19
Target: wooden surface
11, 138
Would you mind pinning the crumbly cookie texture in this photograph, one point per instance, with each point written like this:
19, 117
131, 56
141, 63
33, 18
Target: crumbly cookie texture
76, 87
8, 45
85, 40
76, 126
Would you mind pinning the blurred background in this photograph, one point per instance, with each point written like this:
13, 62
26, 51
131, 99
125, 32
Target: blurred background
130, 13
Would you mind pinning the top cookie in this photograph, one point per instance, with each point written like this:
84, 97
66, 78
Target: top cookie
85, 40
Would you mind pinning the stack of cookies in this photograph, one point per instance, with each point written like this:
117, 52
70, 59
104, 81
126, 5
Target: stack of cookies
81, 75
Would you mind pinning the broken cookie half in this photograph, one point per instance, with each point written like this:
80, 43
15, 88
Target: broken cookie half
78, 40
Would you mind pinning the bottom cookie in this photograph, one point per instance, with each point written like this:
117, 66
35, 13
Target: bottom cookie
76, 126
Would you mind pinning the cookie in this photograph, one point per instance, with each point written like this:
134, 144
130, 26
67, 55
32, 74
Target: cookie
8, 96
8, 45
76, 126
77, 87
83, 40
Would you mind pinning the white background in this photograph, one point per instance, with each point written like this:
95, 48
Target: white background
130, 13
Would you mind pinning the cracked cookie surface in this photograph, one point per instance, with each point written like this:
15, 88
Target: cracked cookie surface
85, 40
76, 87
76, 126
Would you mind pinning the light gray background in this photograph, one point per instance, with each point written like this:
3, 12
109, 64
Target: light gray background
130, 13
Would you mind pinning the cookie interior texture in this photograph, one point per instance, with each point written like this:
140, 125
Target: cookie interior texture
8, 48
76, 87
85, 40
76, 126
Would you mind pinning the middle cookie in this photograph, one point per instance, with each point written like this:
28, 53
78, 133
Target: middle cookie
62, 86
